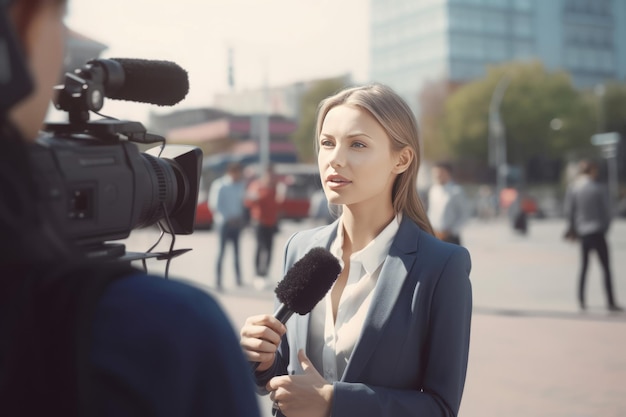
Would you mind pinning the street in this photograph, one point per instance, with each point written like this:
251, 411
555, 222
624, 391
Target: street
533, 353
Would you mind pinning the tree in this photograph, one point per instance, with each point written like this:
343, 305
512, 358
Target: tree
304, 136
432, 99
612, 107
534, 98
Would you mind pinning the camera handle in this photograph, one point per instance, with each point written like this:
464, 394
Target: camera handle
117, 252
107, 129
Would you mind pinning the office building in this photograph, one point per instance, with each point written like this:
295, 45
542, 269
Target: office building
416, 41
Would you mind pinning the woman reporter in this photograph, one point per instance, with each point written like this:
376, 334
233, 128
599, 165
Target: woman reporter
391, 337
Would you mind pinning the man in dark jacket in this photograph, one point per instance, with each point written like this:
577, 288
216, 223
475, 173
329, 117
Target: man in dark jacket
588, 210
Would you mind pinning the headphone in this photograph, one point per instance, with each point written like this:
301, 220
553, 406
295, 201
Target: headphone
15, 79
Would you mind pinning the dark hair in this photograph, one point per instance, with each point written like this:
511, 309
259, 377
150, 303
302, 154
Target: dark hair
48, 294
234, 167
447, 166
587, 166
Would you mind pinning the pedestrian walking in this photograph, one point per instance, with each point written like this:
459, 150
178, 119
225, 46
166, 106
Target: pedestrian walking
448, 209
263, 201
517, 212
588, 211
391, 337
226, 201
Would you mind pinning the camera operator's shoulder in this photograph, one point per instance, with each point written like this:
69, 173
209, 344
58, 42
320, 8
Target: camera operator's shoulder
168, 347
148, 308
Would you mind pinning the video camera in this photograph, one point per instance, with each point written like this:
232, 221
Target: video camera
96, 182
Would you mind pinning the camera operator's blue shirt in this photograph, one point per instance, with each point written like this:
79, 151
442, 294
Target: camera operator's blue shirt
164, 348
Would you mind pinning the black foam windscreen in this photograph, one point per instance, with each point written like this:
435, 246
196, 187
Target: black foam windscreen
308, 280
163, 83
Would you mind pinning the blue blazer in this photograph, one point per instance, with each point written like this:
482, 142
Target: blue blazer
411, 356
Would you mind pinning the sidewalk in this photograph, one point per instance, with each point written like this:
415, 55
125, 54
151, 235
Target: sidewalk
538, 271
545, 367
532, 352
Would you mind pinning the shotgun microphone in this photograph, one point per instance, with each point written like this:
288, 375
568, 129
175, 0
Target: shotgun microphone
163, 83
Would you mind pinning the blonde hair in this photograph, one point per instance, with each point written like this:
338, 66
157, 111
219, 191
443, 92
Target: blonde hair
398, 121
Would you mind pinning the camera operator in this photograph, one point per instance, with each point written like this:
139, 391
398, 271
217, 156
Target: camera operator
80, 338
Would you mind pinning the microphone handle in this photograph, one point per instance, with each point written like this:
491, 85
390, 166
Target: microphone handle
282, 313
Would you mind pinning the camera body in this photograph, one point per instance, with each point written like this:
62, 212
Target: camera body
98, 185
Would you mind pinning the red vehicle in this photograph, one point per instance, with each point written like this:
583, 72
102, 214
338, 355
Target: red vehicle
204, 217
528, 204
298, 182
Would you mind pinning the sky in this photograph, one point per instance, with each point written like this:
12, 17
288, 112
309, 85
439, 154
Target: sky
274, 42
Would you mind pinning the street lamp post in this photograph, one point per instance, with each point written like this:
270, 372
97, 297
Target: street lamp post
497, 135
608, 143
599, 91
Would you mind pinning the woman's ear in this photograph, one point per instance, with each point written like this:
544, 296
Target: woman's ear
403, 160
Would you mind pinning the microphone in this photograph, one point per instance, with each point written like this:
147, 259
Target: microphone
305, 284
163, 83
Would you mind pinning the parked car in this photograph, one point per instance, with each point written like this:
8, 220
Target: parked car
204, 217
298, 182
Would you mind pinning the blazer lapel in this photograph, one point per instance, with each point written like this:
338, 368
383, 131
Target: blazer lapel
392, 276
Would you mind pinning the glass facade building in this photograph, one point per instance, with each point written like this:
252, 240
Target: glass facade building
415, 41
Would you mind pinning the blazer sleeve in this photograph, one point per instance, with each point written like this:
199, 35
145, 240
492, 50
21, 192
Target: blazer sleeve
279, 368
446, 351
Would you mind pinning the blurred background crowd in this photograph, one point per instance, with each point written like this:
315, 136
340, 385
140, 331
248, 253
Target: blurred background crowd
512, 93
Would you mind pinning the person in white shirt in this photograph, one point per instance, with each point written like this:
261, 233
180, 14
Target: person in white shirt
448, 208
391, 337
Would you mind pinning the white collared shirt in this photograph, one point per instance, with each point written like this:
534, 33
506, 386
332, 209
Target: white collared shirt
330, 345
